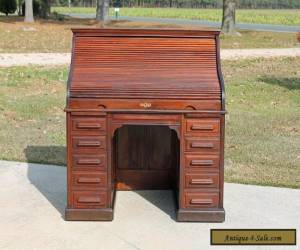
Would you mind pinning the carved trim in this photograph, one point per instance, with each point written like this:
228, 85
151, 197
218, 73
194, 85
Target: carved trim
176, 129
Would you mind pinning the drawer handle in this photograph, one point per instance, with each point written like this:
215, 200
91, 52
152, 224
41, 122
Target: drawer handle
202, 127
87, 199
201, 162
88, 180
201, 201
89, 143
201, 181
89, 125
89, 161
201, 145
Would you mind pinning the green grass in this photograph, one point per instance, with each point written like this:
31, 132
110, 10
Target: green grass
31, 113
284, 17
56, 36
262, 125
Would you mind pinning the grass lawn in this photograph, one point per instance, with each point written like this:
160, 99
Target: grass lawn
267, 16
55, 36
263, 123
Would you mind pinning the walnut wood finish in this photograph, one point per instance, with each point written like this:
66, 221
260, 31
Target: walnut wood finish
145, 110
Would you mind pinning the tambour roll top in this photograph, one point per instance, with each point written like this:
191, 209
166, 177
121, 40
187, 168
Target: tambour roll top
134, 63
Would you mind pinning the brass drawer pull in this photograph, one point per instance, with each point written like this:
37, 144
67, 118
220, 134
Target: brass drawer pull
89, 161
201, 181
88, 180
201, 145
202, 127
89, 143
89, 125
201, 162
86, 199
145, 105
201, 201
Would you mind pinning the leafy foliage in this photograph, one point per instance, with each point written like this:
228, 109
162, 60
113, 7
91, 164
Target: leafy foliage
8, 6
242, 4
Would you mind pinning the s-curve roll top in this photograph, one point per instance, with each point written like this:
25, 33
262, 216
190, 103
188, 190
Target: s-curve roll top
144, 63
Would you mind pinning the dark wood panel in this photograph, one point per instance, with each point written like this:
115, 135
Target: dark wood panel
144, 147
144, 179
151, 149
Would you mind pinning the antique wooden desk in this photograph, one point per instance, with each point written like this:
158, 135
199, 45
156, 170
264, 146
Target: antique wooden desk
145, 110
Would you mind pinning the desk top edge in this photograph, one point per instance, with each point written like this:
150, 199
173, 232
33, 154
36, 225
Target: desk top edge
145, 32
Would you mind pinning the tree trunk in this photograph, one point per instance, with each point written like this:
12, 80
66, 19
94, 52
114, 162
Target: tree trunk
228, 22
28, 11
102, 10
45, 9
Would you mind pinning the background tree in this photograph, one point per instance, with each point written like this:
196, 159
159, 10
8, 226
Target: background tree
45, 8
28, 11
8, 6
102, 10
228, 21
36, 6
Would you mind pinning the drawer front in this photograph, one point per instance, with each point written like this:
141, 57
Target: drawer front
203, 127
89, 199
89, 180
202, 180
88, 124
88, 143
200, 162
89, 162
211, 145
158, 104
201, 200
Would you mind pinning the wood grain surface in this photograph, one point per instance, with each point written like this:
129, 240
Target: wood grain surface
145, 110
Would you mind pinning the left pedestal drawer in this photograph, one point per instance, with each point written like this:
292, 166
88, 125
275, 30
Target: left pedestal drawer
89, 199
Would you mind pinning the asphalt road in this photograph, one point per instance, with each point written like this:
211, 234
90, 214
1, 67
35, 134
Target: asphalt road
243, 26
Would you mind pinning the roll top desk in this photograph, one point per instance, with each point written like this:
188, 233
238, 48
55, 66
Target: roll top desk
145, 110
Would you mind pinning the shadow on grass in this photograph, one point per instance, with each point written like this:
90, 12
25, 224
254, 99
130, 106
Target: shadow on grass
50, 181
290, 83
46, 154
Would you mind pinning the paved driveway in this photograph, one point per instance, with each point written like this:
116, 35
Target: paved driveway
33, 198
23, 59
